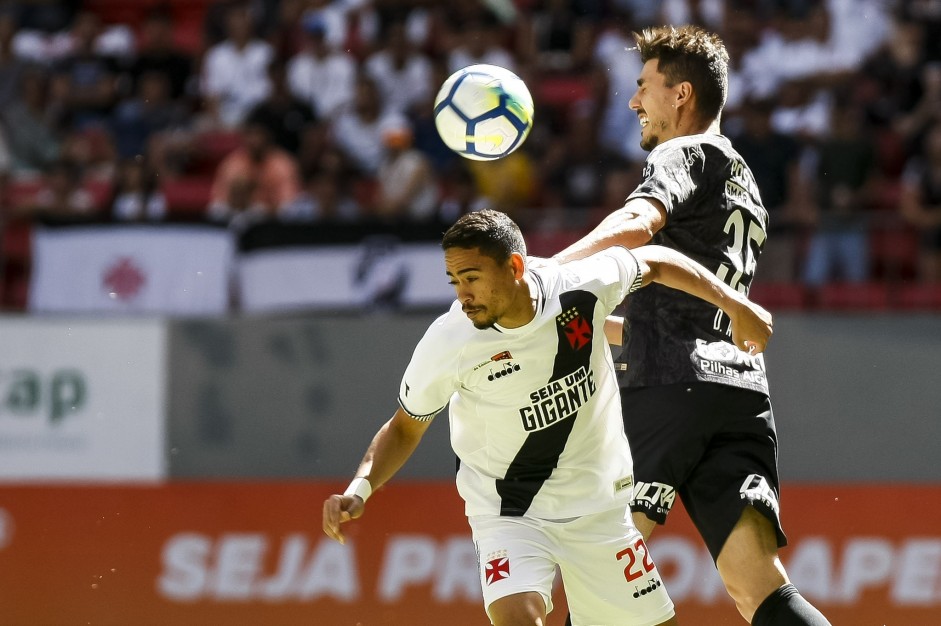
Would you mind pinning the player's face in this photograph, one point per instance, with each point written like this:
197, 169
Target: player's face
484, 286
655, 104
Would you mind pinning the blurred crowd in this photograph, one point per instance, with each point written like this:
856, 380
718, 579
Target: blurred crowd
237, 111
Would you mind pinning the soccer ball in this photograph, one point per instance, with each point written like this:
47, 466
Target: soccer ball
483, 112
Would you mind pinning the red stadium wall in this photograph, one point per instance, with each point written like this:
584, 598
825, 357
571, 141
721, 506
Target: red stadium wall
253, 553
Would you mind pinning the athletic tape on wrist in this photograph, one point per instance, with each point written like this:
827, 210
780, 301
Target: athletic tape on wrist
359, 487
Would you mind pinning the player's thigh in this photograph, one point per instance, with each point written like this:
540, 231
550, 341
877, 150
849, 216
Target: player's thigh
525, 609
737, 470
668, 434
515, 556
608, 574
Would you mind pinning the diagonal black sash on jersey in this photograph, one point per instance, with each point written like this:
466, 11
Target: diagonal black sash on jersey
539, 454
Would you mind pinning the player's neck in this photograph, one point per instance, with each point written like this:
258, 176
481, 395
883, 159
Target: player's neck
522, 308
688, 123
692, 126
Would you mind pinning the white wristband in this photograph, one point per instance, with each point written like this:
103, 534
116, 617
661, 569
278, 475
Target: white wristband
359, 487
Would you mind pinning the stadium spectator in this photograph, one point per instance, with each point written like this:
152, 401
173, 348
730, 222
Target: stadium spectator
136, 196
928, 14
136, 120
426, 137
92, 150
258, 176
12, 66
620, 179
86, 79
235, 71
286, 33
615, 70
290, 121
838, 248
891, 77
62, 195
158, 54
510, 184
460, 195
402, 74
913, 124
324, 198
357, 130
335, 17
32, 123
775, 161
479, 42
324, 78
921, 203
574, 168
407, 187
557, 36
6, 163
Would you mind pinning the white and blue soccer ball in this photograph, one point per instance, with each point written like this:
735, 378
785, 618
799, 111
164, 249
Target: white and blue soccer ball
484, 112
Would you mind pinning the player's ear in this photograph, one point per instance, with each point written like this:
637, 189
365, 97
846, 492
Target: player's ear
518, 265
684, 93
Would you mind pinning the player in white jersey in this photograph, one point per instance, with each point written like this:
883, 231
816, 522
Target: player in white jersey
545, 468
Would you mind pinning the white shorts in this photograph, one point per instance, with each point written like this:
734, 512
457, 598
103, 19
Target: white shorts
608, 576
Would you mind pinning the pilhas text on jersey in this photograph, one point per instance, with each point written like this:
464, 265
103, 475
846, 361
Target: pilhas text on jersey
558, 400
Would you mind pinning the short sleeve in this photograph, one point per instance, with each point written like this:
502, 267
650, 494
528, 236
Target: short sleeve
669, 175
616, 273
430, 378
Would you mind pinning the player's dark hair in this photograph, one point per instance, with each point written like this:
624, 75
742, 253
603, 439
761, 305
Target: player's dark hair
691, 54
493, 232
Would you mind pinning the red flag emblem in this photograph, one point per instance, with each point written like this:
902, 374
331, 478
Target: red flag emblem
497, 569
124, 279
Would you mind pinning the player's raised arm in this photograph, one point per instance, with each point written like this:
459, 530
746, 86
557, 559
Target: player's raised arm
630, 226
393, 444
751, 324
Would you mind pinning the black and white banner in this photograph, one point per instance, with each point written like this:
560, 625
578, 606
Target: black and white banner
378, 273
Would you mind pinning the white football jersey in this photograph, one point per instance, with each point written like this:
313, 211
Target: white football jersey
535, 412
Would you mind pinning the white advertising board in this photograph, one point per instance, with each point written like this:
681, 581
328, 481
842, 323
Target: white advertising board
82, 400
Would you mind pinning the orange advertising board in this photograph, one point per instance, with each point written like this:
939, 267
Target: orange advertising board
253, 553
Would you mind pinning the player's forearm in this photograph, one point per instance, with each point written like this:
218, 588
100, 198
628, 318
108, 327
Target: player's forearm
614, 329
673, 269
390, 449
620, 228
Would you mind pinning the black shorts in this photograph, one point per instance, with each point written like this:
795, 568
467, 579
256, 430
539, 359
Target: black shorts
714, 445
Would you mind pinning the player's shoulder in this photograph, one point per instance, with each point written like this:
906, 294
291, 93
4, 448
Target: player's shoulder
690, 148
452, 323
447, 334
591, 271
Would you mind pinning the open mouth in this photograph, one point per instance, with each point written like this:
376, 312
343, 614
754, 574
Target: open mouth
643, 120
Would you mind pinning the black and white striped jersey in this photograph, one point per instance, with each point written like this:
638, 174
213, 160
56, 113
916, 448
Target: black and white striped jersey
714, 216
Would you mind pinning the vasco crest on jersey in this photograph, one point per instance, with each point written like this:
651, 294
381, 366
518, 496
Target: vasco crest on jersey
577, 329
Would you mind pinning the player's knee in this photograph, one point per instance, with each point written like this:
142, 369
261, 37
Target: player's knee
749, 582
520, 609
747, 597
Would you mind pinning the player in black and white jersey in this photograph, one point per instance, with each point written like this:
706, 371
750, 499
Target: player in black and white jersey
545, 468
696, 407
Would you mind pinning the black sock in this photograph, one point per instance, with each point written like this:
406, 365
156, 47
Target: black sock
787, 607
